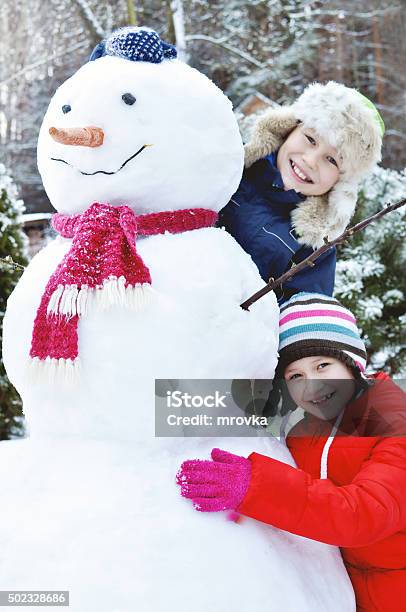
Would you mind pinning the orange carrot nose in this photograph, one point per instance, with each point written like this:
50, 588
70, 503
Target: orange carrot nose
83, 137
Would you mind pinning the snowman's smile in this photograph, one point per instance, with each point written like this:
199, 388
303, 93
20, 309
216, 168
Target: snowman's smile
102, 171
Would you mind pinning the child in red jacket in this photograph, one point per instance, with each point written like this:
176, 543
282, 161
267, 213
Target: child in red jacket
350, 449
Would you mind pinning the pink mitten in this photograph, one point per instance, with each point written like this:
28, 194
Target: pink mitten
215, 485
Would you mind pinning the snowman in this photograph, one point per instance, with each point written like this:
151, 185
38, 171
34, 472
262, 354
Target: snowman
137, 153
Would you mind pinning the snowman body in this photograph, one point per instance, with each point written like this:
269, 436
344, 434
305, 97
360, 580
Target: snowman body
91, 494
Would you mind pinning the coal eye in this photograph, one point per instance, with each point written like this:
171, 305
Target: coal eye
128, 98
66, 108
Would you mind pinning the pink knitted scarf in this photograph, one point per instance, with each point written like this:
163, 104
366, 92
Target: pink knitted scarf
102, 267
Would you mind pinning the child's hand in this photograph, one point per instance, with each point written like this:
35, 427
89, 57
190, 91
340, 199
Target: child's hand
215, 485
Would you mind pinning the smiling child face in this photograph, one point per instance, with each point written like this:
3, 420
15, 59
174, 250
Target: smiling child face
308, 163
320, 385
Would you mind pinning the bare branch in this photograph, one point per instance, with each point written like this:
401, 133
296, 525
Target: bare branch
389, 133
132, 15
344, 13
216, 41
91, 18
41, 62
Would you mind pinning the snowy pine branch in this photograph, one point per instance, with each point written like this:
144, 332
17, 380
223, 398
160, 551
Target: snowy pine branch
8, 261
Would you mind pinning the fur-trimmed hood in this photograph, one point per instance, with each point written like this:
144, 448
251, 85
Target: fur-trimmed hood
347, 121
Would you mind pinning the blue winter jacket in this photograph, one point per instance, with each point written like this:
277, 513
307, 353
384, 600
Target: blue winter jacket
258, 216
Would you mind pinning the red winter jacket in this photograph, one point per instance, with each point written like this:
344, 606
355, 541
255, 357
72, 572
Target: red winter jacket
360, 507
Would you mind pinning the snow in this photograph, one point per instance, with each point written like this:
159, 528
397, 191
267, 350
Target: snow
11, 218
17, 205
385, 184
349, 278
369, 271
29, 217
372, 307
92, 492
392, 297
379, 359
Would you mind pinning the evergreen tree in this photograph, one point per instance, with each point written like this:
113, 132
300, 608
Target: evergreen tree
12, 247
371, 279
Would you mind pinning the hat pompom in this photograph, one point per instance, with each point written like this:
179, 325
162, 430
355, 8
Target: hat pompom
135, 44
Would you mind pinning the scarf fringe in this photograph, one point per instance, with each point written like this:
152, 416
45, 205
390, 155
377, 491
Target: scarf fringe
57, 371
71, 301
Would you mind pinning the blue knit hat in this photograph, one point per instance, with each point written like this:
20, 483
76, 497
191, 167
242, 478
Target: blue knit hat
314, 324
135, 44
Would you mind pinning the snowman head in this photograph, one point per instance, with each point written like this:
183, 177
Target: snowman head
137, 127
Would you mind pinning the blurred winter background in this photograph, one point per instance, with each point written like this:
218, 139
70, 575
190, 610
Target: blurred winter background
260, 53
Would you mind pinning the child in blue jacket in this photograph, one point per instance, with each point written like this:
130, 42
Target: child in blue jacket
303, 167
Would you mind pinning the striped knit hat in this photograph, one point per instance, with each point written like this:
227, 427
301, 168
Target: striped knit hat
313, 324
